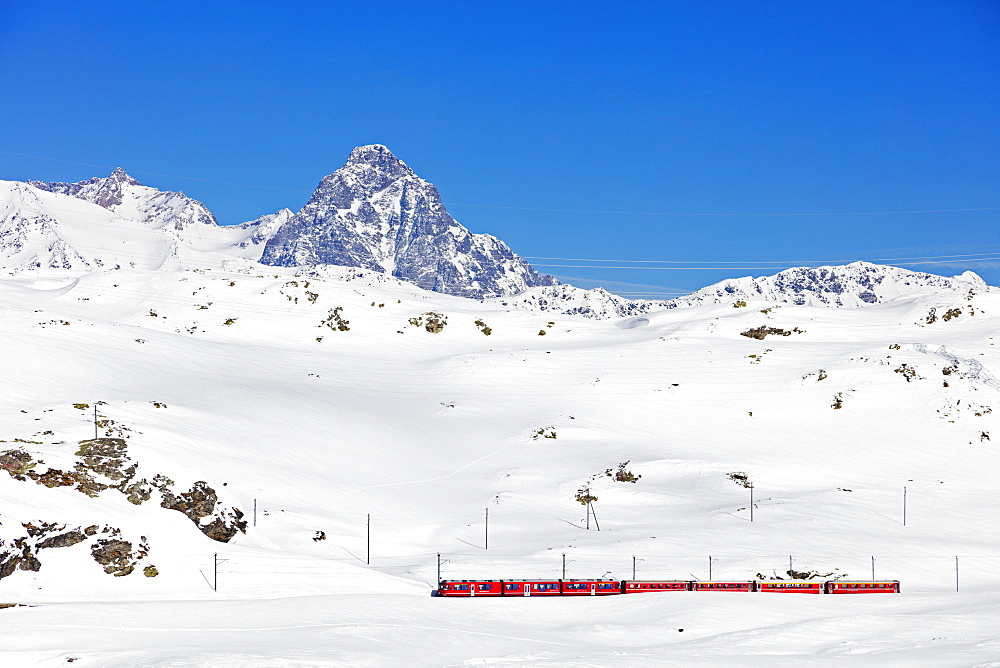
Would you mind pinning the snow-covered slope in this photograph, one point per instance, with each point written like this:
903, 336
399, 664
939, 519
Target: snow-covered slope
855, 284
125, 196
322, 401
852, 285
115, 222
376, 213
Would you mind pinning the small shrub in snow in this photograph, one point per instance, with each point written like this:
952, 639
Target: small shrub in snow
430, 321
335, 321
951, 313
760, 332
622, 474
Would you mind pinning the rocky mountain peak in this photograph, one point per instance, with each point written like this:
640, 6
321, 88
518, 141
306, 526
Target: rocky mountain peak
369, 169
108, 192
376, 213
119, 176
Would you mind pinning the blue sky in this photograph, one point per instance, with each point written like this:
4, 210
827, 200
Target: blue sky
553, 109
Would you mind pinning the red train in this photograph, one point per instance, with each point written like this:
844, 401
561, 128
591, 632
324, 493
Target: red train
599, 587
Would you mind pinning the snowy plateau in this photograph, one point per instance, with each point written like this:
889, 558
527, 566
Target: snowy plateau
207, 460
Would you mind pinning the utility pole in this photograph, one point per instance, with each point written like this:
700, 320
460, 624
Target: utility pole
255, 512
904, 505
789, 565
751, 502
368, 559
486, 538
95, 420
439, 569
873, 567
709, 568
595, 516
633, 567
956, 573
564, 566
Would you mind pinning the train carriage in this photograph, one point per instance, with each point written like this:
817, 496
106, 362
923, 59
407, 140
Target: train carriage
791, 587
750, 585
645, 586
471, 588
591, 587
531, 587
862, 587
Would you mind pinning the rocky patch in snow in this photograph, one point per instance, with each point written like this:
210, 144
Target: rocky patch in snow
116, 555
104, 464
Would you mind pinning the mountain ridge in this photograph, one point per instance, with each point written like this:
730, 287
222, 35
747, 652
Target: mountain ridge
374, 215
377, 214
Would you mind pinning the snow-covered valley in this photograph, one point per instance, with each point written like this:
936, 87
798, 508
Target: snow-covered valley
330, 400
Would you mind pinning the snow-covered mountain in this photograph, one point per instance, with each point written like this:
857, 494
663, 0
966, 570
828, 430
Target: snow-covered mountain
125, 196
853, 285
376, 213
115, 222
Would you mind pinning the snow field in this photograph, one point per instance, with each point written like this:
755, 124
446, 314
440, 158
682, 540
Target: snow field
424, 432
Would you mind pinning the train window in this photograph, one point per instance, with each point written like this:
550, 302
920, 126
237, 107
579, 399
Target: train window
511, 587
485, 587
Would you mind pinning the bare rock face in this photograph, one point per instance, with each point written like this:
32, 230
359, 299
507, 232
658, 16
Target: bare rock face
17, 553
62, 540
376, 213
199, 503
196, 503
106, 456
16, 462
114, 555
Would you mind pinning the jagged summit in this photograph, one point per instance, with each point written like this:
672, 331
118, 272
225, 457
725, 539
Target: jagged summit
108, 192
377, 214
124, 195
378, 158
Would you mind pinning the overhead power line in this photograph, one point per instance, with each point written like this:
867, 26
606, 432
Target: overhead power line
757, 268
968, 256
531, 208
687, 213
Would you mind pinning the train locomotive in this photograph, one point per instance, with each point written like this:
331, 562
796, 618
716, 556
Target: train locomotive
602, 587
